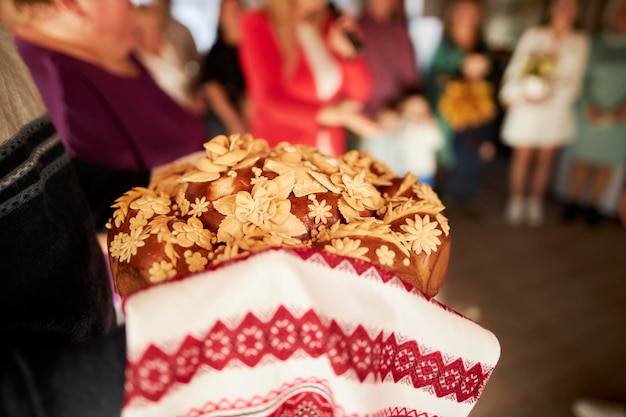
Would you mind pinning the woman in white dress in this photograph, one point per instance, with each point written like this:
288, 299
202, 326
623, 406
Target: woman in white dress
539, 87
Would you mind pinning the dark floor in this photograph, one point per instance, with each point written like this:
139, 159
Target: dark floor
554, 296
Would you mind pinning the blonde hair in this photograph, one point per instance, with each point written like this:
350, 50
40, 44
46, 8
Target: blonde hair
282, 15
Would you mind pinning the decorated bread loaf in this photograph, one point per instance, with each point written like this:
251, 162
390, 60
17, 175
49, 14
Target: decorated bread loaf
241, 196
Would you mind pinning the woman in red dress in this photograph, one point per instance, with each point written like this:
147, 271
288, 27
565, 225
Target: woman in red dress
304, 78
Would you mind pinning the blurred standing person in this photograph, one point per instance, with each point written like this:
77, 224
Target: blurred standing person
114, 120
222, 80
183, 41
460, 90
600, 144
63, 354
55, 288
166, 65
305, 80
389, 53
540, 85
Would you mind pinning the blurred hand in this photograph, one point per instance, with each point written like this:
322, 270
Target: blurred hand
594, 114
487, 151
198, 105
237, 126
337, 39
347, 114
363, 126
619, 113
338, 114
475, 67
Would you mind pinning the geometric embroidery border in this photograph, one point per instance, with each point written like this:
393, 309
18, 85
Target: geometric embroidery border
283, 336
291, 399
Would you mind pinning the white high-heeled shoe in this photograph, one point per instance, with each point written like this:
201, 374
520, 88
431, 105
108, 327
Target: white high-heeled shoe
534, 212
515, 209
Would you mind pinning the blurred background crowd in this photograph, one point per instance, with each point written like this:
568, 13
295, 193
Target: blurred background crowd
441, 89
435, 88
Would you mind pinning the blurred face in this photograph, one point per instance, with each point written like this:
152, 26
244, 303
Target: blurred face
148, 30
467, 15
416, 108
230, 14
564, 13
113, 19
307, 8
383, 9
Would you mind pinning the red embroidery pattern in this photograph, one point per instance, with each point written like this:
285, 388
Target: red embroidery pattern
273, 400
303, 397
156, 372
359, 266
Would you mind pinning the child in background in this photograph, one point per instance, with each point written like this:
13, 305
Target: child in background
383, 144
409, 138
420, 139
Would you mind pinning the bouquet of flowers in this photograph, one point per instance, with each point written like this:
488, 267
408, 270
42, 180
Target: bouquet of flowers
465, 104
537, 76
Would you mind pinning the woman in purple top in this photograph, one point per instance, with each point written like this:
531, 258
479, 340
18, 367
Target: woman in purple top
115, 122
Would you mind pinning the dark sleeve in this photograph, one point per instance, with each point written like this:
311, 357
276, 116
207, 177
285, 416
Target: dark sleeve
213, 64
86, 380
102, 185
55, 287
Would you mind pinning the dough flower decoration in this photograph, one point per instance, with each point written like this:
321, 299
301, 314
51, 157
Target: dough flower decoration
319, 211
358, 195
347, 247
385, 255
377, 172
368, 227
150, 204
425, 192
304, 182
125, 245
192, 233
195, 261
161, 271
443, 222
402, 207
265, 209
122, 204
200, 206
225, 153
422, 234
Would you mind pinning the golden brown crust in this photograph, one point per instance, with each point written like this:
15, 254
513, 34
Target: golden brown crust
242, 197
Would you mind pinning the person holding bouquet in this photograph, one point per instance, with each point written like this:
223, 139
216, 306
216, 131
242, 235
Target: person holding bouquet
460, 89
540, 85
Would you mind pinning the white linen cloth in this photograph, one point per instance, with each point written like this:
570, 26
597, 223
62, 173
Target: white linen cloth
300, 332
